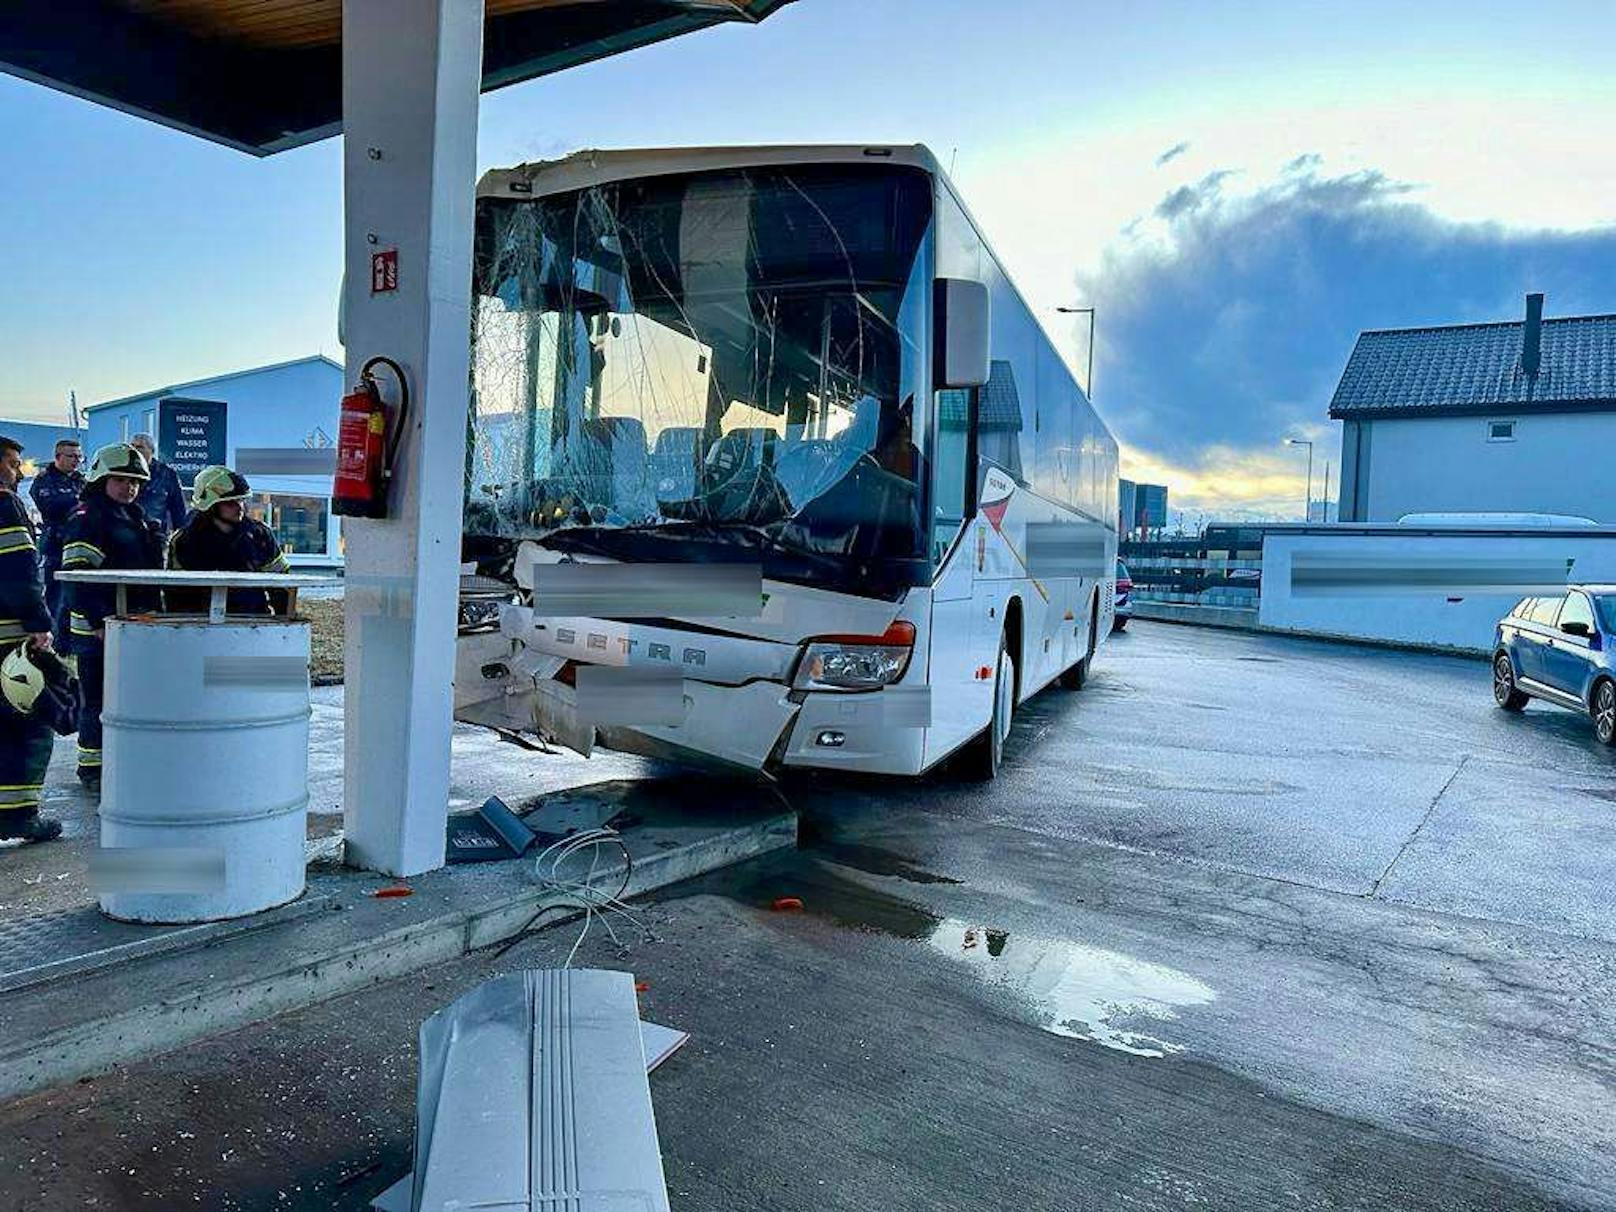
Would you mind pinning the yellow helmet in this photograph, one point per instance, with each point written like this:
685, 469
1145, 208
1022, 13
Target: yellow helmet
21, 680
216, 485
118, 459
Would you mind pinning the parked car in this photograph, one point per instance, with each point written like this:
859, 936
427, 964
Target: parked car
1561, 649
1124, 598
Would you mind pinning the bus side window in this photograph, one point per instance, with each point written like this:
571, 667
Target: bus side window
950, 464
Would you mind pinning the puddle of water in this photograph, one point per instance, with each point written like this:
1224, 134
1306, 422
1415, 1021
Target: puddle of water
877, 861
1079, 991
1604, 793
1068, 988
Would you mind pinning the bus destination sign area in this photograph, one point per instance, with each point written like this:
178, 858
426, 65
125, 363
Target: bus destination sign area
191, 435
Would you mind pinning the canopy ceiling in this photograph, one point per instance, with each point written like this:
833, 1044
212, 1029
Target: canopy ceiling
266, 75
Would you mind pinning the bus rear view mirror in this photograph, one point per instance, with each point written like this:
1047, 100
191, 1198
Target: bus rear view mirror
961, 327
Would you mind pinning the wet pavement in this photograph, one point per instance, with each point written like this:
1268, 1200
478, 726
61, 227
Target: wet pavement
1248, 923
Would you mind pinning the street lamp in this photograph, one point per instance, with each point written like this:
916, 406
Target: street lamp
1088, 375
1307, 508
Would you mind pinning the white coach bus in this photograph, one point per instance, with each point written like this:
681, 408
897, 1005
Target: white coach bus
767, 440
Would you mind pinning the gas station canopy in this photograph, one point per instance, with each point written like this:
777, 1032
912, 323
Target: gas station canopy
266, 75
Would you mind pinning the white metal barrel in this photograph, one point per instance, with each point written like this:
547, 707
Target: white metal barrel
205, 767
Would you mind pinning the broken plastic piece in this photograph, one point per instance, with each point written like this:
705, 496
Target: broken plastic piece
393, 891
533, 1094
787, 904
660, 1043
491, 833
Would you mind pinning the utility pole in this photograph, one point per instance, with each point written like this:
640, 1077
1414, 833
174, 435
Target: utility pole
1307, 505
1324, 513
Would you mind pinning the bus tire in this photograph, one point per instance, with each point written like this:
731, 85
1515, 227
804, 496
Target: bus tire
1074, 676
983, 756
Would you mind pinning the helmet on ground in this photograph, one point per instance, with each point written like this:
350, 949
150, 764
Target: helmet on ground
118, 459
216, 485
21, 680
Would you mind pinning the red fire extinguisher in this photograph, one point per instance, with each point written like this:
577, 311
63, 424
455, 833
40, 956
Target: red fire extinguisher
367, 444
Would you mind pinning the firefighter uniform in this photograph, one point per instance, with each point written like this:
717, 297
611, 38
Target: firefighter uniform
56, 495
25, 738
104, 534
208, 543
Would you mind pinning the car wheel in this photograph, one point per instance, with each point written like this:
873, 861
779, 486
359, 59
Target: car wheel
1604, 712
1505, 693
985, 754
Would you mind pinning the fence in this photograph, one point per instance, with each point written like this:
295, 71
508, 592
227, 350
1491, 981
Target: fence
1192, 580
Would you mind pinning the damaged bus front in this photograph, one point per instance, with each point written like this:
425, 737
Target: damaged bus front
720, 457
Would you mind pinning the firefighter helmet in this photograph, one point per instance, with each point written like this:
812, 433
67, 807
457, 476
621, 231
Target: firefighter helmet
118, 459
21, 680
216, 485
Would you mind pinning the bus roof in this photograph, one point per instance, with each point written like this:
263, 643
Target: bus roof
583, 169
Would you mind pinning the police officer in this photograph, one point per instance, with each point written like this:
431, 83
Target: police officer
25, 738
56, 494
106, 531
221, 538
162, 500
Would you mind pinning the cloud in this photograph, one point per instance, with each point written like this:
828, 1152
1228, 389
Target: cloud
1225, 320
1187, 198
1173, 152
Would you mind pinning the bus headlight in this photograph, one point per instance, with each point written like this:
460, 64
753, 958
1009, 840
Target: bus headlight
856, 662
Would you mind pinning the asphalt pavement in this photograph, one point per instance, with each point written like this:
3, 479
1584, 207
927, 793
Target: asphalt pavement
1250, 922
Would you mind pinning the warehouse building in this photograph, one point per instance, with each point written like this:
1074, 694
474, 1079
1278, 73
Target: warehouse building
1480, 418
284, 405
38, 447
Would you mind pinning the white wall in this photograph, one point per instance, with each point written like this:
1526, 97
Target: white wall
1390, 610
1556, 464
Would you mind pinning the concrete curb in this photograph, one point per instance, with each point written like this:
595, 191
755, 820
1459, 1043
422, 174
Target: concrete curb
1245, 620
281, 976
1201, 616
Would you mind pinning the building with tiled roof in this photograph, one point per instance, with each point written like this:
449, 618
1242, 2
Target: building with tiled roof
1505, 417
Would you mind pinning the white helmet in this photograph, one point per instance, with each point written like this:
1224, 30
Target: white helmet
21, 680
118, 459
216, 485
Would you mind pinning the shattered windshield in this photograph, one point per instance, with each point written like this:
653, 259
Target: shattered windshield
732, 358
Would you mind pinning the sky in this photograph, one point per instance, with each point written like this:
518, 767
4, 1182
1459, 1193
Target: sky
1237, 189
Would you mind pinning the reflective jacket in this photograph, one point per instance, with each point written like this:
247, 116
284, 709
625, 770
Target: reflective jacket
162, 499
103, 534
22, 597
249, 546
56, 495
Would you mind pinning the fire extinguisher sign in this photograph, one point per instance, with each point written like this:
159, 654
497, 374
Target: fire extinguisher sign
384, 271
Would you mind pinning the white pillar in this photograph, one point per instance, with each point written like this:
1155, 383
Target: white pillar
411, 73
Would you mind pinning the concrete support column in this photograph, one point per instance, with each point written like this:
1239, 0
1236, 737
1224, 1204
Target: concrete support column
411, 74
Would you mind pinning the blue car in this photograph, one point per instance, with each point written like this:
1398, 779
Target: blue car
1561, 649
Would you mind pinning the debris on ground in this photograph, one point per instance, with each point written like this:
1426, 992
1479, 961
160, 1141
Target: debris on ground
325, 650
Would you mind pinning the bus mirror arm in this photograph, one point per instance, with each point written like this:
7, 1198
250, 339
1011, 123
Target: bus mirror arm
960, 328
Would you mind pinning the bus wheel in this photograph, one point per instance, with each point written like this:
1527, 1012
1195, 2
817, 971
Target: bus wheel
984, 755
1073, 677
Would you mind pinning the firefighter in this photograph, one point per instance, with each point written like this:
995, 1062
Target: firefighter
220, 537
109, 531
25, 737
162, 500
56, 494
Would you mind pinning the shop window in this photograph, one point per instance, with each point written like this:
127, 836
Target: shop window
302, 524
